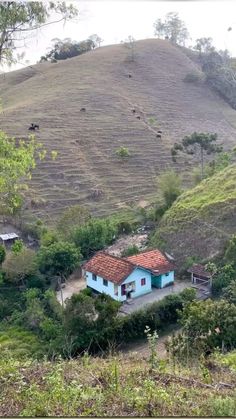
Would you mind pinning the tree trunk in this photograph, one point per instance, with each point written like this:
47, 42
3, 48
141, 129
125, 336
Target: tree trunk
59, 283
202, 171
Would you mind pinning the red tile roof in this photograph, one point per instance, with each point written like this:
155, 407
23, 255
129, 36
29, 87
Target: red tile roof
109, 267
200, 270
152, 260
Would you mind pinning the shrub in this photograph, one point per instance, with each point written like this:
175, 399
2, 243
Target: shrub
194, 77
123, 152
169, 183
156, 316
130, 251
2, 254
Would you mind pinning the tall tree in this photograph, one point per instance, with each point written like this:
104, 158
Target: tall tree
172, 28
197, 143
59, 258
130, 44
97, 40
19, 18
75, 216
204, 45
17, 160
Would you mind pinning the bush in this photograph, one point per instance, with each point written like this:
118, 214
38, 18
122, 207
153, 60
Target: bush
194, 77
169, 183
222, 279
130, 251
123, 152
156, 316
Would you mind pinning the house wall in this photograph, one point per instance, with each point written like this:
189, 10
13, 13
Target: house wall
167, 279
98, 285
135, 276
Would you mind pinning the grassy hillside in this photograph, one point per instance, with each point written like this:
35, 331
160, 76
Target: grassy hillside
201, 220
87, 169
118, 386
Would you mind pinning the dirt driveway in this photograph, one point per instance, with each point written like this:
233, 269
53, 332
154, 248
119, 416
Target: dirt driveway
155, 295
73, 286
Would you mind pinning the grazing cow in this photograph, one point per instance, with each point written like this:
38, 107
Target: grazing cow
129, 75
82, 109
158, 135
159, 132
33, 127
133, 110
138, 117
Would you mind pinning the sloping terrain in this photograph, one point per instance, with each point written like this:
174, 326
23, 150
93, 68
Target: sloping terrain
87, 170
202, 220
117, 386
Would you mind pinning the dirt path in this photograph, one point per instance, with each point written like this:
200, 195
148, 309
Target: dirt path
141, 349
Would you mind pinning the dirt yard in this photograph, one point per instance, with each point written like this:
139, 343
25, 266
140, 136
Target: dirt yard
140, 240
72, 286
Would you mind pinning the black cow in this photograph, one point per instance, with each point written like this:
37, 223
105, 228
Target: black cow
158, 135
33, 127
82, 109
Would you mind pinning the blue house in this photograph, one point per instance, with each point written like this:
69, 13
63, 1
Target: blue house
123, 278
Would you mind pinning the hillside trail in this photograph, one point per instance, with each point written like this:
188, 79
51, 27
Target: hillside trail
141, 349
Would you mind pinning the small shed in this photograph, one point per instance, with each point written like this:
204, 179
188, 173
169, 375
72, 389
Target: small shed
200, 276
8, 238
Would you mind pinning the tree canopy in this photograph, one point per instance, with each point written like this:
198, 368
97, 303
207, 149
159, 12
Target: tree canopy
60, 258
19, 19
63, 49
172, 28
198, 142
73, 216
17, 160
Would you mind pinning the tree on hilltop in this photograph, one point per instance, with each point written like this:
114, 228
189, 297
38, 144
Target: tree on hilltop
172, 28
97, 40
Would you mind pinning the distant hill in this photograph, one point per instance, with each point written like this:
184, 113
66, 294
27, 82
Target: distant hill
202, 219
87, 170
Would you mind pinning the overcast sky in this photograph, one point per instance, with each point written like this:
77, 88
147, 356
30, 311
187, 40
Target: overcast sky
115, 20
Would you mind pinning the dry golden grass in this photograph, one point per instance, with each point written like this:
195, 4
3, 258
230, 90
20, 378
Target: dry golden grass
53, 94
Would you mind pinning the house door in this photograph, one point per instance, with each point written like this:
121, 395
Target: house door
156, 281
123, 292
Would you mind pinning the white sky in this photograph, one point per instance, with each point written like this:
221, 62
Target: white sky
115, 20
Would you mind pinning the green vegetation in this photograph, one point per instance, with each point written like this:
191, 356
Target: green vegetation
130, 251
170, 186
206, 325
73, 216
63, 49
20, 18
123, 152
123, 385
17, 160
172, 28
94, 235
197, 143
201, 219
216, 192
194, 77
